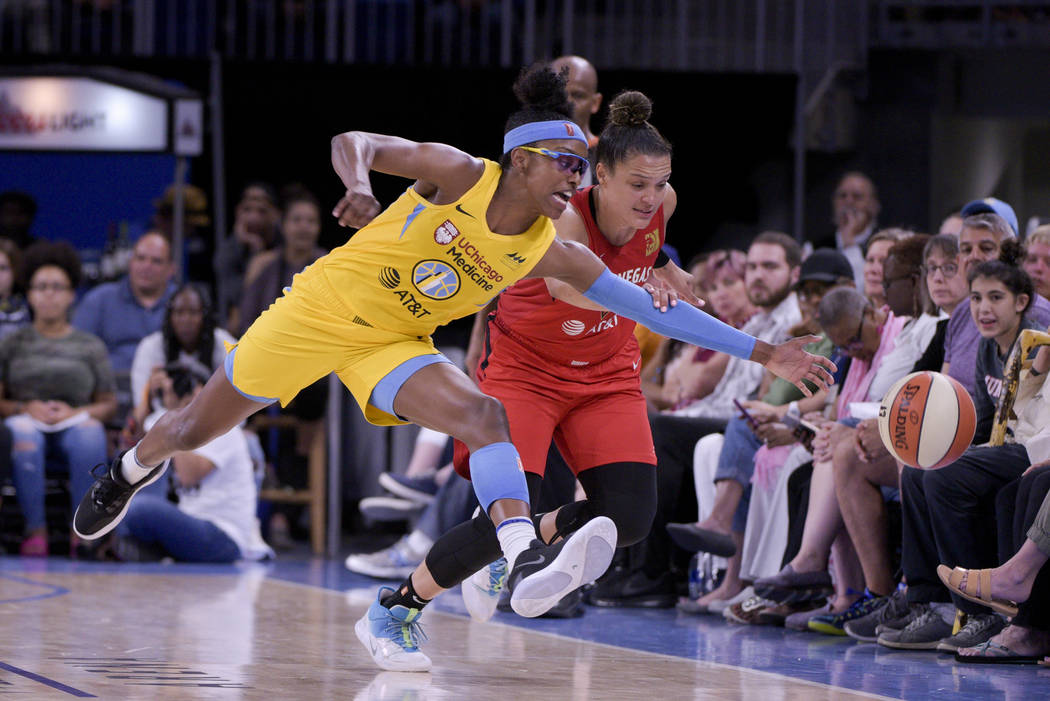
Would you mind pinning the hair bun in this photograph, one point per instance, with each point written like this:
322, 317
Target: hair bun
1012, 252
630, 109
540, 88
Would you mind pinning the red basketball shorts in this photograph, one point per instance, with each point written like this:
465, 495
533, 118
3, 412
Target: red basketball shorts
596, 415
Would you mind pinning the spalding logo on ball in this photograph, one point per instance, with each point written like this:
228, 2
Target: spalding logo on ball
927, 420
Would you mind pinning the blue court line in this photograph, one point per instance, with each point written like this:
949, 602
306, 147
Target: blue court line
47, 682
55, 590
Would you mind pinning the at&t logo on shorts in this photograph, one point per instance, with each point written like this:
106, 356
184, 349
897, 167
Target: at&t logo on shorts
435, 279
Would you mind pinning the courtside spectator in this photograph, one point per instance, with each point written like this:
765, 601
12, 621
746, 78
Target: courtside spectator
57, 389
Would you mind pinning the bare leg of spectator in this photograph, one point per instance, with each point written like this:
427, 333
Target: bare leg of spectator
731, 584
727, 498
849, 577
823, 522
857, 486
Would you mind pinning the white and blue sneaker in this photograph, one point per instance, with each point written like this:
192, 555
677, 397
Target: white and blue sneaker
481, 591
392, 636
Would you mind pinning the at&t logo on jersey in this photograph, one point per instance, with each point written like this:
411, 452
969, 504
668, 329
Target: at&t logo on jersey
446, 233
389, 278
575, 327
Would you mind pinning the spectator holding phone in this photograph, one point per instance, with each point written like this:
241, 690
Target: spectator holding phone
189, 336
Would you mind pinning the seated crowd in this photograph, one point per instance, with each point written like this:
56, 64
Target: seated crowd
780, 509
83, 375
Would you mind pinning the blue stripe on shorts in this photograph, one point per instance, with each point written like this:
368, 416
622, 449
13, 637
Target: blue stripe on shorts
388, 387
228, 367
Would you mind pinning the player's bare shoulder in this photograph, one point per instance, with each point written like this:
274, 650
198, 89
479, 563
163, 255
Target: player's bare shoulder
570, 226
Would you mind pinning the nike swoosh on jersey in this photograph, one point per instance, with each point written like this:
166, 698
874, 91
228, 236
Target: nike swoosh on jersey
459, 208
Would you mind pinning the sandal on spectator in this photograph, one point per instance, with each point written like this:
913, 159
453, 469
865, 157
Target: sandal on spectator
978, 588
692, 538
995, 653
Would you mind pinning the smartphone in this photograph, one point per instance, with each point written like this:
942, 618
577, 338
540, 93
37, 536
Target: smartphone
748, 417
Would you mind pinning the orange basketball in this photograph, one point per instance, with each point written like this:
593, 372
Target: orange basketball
927, 420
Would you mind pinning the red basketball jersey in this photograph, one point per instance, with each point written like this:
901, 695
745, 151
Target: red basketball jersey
566, 334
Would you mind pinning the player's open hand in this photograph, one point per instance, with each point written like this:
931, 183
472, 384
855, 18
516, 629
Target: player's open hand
663, 296
790, 361
673, 278
356, 208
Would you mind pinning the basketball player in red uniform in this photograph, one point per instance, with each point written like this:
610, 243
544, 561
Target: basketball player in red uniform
569, 370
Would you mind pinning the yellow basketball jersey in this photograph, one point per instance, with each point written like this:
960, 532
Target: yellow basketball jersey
419, 265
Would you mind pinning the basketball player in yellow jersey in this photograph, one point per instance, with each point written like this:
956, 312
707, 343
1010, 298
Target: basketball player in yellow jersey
464, 231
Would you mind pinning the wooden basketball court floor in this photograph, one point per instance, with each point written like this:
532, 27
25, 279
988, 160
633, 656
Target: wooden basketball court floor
285, 631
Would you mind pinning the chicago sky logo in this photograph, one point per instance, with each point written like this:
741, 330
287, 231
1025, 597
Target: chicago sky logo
389, 278
435, 279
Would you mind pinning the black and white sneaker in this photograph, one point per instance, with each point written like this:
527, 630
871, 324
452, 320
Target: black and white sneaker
543, 574
105, 504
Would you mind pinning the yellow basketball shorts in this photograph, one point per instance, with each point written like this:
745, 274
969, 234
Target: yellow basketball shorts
308, 333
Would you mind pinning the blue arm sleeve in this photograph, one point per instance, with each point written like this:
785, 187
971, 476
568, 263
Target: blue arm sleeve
684, 321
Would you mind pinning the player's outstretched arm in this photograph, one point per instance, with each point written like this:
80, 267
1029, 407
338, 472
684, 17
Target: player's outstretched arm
443, 172
579, 267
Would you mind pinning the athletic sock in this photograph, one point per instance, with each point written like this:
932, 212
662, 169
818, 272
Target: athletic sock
515, 535
405, 595
133, 470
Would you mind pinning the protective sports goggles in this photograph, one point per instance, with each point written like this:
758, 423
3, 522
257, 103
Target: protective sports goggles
566, 162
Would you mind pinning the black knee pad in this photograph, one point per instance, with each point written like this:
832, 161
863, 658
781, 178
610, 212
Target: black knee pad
462, 551
624, 492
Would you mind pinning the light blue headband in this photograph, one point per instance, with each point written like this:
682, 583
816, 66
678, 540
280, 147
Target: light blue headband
538, 131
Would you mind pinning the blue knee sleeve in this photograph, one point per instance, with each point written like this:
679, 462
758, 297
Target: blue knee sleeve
497, 474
